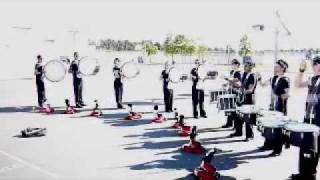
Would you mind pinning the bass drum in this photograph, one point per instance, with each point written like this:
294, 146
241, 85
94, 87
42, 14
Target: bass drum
89, 66
202, 74
130, 70
174, 75
55, 71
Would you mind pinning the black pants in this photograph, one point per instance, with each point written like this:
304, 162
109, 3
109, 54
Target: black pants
277, 144
238, 125
77, 88
231, 117
308, 162
118, 89
198, 99
281, 106
168, 98
41, 92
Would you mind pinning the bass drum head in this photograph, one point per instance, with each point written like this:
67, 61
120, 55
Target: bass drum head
55, 71
89, 66
202, 72
174, 75
130, 70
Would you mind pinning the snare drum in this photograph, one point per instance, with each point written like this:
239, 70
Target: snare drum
215, 94
227, 102
303, 135
272, 127
267, 113
248, 113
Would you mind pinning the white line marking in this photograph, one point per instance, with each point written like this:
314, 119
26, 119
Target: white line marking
11, 167
52, 175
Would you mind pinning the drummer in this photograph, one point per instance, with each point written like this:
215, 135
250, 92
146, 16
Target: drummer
167, 91
308, 160
248, 86
38, 72
197, 94
117, 83
234, 84
77, 80
280, 85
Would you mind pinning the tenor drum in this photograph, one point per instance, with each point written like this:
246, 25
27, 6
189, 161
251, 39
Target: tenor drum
227, 102
303, 135
55, 71
215, 94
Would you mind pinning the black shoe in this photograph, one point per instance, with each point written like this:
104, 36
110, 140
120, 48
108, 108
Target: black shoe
78, 106
235, 135
274, 154
226, 126
204, 116
298, 177
248, 139
196, 117
265, 148
120, 106
83, 104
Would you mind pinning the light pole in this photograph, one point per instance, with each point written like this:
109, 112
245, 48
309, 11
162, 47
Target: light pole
260, 27
21, 27
74, 33
276, 50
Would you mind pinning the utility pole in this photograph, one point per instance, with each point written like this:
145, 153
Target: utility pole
74, 33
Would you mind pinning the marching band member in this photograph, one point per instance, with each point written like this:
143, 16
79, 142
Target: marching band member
77, 80
38, 72
308, 159
235, 75
197, 94
280, 85
117, 83
248, 86
167, 91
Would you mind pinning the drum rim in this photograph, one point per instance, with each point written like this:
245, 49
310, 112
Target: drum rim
130, 62
97, 66
311, 130
59, 62
268, 123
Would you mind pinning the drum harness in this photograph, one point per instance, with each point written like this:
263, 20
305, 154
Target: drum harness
273, 95
240, 94
311, 104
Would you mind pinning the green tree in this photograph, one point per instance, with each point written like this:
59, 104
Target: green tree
245, 47
201, 51
150, 49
